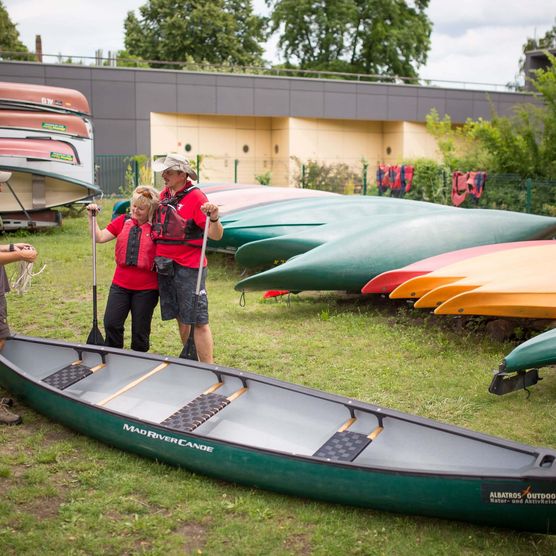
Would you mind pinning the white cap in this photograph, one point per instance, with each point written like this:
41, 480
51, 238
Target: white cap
174, 161
5, 176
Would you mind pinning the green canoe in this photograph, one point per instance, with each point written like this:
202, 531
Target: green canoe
245, 428
296, 216
520, 367
349, 262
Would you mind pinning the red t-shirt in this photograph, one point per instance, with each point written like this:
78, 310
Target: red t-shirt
188, 207
131, 277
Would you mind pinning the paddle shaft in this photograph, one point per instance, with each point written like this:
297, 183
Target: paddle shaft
95, 336
189, 351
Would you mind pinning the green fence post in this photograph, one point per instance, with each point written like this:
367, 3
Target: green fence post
365, 167
302, 176
528, 184
236, 163
135, 172
198, 167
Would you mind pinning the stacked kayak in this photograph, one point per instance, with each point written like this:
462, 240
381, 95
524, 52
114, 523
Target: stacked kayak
300, 215
520, 367
389, 281
348, 262
46, 148
516, 282
232, 199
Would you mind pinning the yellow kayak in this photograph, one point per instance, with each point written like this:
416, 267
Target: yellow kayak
519, 297
481, 269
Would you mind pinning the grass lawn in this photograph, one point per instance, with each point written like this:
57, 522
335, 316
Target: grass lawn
63, 493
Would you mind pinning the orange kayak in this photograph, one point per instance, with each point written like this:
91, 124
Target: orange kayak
524, 297
481, 268
388, 281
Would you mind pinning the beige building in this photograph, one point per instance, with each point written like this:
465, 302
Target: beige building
250, 146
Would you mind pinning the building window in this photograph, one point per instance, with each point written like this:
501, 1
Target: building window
388, 150
245, 148
187, 147
276, 149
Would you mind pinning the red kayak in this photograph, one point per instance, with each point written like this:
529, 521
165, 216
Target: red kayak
48, 122
43, 97
388, 281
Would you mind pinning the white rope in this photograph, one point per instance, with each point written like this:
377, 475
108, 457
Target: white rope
23, 276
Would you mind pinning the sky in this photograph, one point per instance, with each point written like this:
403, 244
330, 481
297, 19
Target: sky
473, 41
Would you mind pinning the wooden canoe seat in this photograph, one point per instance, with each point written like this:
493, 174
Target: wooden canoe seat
345, 445
200, 409
70, 374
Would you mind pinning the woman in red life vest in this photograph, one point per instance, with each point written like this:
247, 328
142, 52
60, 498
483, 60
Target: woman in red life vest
135, 285
178, 229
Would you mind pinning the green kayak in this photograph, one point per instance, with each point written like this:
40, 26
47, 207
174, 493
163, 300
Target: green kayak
296, 216
277, 250
349, 262
520, 367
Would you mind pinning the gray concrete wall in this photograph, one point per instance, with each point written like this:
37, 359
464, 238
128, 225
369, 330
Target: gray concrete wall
122, 99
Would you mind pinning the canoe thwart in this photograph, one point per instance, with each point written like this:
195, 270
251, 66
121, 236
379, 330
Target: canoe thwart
343, 446
196, 412
504, 383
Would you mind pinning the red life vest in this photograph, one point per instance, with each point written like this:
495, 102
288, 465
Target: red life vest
135, 246
170, 227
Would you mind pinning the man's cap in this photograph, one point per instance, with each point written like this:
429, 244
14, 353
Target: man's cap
174, 161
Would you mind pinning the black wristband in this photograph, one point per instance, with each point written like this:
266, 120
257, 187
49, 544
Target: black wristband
12, 248
217, 219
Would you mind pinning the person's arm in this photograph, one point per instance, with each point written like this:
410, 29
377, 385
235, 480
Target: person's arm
9, 254
101, 236
215, 231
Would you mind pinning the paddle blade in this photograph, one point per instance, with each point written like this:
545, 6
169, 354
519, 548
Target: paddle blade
189, 350
95, 337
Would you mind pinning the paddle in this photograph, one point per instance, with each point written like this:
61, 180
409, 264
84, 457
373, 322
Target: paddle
189, 350
95, 337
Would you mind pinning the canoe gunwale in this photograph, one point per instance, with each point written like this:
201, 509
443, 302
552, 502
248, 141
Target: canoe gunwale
533, 473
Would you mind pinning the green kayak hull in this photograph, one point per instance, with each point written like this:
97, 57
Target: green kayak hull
296, 216
277, 250
349, 262
539, 351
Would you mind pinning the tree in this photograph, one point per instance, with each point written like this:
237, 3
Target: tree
9, 38
524, 144
204, 31
385, 37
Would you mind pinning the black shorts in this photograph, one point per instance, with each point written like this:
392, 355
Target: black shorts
177, 294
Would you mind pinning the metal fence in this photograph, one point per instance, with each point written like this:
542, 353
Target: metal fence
117, 175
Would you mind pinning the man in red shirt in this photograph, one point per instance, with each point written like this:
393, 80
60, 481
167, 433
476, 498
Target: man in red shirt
181, 219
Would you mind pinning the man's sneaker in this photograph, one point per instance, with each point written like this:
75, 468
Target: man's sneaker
6, 416
7, 401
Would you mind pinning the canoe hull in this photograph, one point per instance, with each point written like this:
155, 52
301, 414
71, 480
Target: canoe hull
492, 500
37, 192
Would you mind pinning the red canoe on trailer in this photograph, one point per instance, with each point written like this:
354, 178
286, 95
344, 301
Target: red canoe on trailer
37, 149
43, 97
389, 281
47, 122
67, 160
